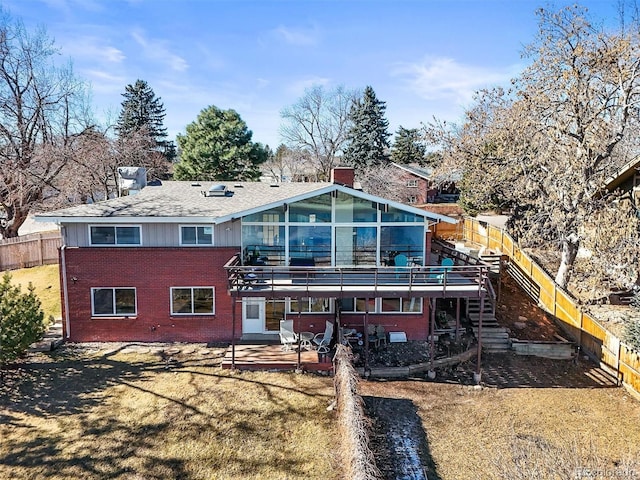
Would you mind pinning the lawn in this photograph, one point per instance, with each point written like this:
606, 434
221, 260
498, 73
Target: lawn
548, 420
46, 281
116, 414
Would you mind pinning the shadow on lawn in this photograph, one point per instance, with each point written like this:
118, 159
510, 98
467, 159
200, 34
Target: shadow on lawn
91, 436
399, 442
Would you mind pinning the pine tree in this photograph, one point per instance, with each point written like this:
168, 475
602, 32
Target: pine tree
218, 146
143, 111
369, 136
20, 320
408, 148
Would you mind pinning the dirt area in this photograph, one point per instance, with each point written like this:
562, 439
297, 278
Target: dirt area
521, 315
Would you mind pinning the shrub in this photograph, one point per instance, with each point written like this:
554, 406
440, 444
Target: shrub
20, 320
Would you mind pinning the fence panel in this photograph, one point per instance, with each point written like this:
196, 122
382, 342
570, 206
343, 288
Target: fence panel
29, 250
592, 336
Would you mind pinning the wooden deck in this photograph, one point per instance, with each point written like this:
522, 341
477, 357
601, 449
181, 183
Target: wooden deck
271, 357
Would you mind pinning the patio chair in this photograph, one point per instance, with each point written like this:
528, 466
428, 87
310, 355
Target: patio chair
401, 263
323, 340
287, 336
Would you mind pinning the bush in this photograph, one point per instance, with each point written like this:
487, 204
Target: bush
20, 320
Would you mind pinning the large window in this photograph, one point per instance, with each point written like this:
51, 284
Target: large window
309, 305
356, 245
114, 235
382, 305
192, 301
113, 301
354, 209
310, 245
401, 305
263, 244
402, 240
196, 235
312, 210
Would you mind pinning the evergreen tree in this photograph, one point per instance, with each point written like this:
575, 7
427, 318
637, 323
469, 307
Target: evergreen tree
369, 136
143, 111
218, 146
20, 320
408, 148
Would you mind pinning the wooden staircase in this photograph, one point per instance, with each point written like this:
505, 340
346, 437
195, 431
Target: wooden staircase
494, 338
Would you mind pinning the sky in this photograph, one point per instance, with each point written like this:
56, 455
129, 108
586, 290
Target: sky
424, 58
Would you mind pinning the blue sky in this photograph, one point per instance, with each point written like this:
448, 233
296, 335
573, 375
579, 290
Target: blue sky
424, 58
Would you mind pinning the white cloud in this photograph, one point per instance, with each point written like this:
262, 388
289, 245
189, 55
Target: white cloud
444, 78
297, 36
104, 82
298, 87
90, 48
157, 50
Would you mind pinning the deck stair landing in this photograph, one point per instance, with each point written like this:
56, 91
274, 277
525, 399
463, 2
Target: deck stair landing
494, 337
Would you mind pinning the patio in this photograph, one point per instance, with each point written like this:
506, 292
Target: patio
272, 357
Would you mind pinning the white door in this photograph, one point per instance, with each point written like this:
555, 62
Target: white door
253, 318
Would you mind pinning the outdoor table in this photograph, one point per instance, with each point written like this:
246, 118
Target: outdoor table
305, 340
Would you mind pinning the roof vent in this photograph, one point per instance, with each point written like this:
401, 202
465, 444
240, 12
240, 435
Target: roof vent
275, 185
218, 190
238, 185
195, 184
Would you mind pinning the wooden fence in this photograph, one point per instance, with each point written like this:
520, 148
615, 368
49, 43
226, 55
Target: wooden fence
620, 359
29, 250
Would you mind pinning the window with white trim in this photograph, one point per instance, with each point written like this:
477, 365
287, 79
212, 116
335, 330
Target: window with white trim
310, 305
118, 301
413, 199
382, 305
193, 301
412, 183
401, 305
114, 235
196, 235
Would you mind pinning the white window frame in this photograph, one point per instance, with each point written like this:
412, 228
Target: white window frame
192, 313
115, 235
401, 311
114, 313
413, 199
378, 307
412, 183
196, 226
309, 311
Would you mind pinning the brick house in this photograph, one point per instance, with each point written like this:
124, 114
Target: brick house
207, 261
420, 186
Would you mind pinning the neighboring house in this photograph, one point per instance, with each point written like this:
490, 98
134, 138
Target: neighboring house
422, 186
202, 262
626, 179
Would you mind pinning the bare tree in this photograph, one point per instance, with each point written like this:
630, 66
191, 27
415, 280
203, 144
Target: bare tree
318, 123
40, 108
546, 149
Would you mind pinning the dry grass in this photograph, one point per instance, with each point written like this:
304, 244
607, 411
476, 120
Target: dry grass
139, 416
528, 433
46, 280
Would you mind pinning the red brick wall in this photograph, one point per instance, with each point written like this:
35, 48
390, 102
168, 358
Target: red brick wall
152, 271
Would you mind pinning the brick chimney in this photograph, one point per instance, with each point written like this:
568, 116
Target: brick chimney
343, 176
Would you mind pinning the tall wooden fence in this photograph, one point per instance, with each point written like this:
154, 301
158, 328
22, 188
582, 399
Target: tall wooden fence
29, 250
621, 360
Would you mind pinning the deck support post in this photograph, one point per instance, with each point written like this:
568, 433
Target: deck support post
299, 332
233, 332
432, 333
365, 333
457, 319
479, 365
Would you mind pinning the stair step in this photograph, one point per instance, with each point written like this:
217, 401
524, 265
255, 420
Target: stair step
491, 329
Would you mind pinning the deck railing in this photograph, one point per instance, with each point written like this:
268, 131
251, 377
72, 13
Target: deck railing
375, 281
